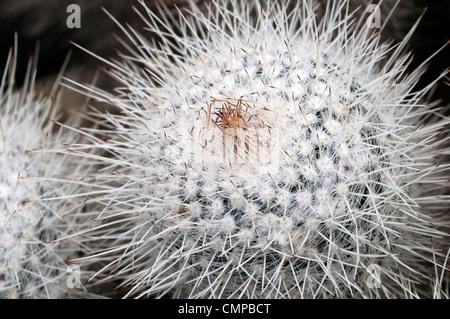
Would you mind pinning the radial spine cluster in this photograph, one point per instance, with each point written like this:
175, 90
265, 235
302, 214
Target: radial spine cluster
266, 153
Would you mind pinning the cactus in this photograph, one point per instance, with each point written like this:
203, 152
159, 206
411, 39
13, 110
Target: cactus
35, 214
267, 155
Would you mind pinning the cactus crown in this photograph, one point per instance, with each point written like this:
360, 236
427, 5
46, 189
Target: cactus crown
338, 190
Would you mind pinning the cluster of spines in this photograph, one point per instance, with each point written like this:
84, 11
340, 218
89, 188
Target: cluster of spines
36, 210
166, 238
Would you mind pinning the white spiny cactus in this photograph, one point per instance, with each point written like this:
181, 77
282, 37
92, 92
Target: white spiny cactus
270, 155
32, 260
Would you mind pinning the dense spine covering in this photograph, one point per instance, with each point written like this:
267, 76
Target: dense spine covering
267, 153
35, 214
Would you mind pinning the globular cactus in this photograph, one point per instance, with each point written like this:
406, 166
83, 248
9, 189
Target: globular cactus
35, 214
275, 155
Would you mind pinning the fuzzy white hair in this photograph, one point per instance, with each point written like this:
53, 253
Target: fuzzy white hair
35, 212
341, 204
